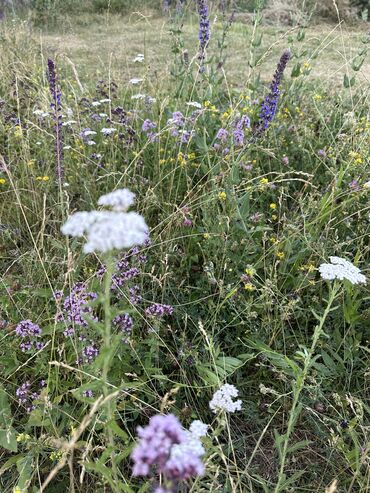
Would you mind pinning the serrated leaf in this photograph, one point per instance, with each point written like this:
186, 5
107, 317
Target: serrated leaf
298, 446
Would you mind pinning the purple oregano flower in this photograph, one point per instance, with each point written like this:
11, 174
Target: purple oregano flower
165, 447
269, 105
204, 31
57, 115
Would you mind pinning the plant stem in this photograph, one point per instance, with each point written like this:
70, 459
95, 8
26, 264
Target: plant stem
299, 384
107, 359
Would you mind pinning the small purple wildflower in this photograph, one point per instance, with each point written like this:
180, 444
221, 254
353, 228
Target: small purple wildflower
285, 160
26, 328
26, 398
354, 186
238, 135
148, 125
177, 119
88, 393
121, 277
22, 392
76, 305
222, 135
124, 323
135, 296
90, 352
158, 310
185, 136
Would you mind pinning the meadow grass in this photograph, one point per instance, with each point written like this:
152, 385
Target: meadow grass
227, 291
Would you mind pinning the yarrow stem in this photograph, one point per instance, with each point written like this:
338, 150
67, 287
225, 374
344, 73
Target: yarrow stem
299, 384
107, 360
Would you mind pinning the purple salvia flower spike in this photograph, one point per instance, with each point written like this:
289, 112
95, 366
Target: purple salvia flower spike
269, 105
204, 30
56, 108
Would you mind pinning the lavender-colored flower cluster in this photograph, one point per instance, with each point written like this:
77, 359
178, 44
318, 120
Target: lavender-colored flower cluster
158, 310
76, 311
269, 105
166, 448
26, 397
177, 124
124, 323
29, 331
148, 127
76, 306
239, 128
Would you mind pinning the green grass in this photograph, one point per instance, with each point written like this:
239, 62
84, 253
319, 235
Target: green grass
273, 210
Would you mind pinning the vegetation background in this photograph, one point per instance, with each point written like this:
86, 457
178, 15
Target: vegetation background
237, 238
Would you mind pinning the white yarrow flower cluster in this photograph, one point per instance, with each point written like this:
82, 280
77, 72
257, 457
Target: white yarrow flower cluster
119, 200
339, 268
191, 445
222, 400
109, 230
198, 429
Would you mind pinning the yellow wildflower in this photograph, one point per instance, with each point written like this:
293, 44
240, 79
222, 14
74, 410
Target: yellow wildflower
273, 206
2, 181
249, 286
222, 195
280, 255
23, 437
42, 178
206, 236
274, 217
250, 271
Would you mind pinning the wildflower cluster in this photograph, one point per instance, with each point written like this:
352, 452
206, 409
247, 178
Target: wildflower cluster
109, 230
29, 332
340, 268
222, 399
166, 448
28, 398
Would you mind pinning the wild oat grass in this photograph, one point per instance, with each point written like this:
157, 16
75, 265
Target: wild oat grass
225, 335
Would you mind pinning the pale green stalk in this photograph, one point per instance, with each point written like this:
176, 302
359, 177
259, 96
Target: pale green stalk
299, 384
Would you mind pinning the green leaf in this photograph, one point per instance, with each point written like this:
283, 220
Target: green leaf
8, 439
5, 412
348, 82
296, 71
10, 463
112, 425
357, 62
298, 446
